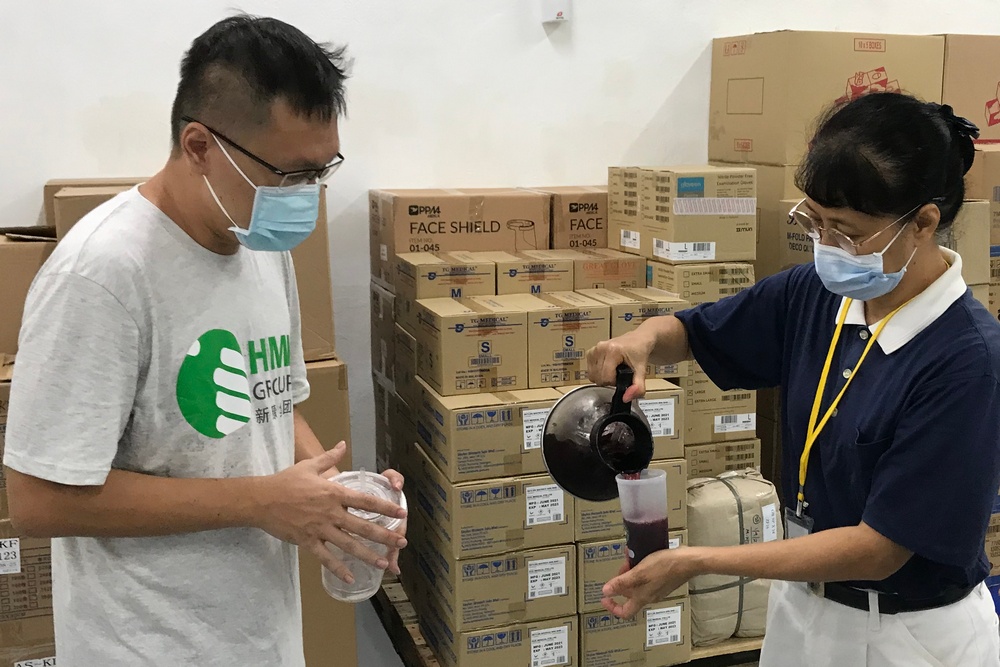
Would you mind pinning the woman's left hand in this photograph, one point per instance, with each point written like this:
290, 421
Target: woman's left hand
656, 577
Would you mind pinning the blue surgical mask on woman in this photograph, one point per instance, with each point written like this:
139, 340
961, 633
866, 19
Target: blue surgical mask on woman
859, 277
281, 217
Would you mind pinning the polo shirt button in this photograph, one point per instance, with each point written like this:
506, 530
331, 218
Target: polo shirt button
864, 334
847, 373
835, 412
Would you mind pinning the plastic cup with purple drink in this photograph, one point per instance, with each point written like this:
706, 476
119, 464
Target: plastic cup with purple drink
643, 498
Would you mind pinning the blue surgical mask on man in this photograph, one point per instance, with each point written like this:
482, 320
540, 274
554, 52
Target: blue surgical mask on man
281, 218
859, 277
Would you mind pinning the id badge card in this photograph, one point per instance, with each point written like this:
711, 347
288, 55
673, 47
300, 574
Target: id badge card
797, 526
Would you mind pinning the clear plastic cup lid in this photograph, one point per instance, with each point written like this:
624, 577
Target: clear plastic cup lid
372, 484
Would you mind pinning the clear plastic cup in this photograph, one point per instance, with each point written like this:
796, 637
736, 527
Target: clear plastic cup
644, 510
367, 578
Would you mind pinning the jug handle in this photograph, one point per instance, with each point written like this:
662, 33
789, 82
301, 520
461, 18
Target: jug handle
624, 377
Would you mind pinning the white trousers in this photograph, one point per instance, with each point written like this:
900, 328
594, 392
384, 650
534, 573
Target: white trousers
805, 630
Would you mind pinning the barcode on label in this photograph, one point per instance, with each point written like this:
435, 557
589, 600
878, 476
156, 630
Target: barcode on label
692, 251
630, 239
993, 529
736, 423
738, 397
484, 361
663, 626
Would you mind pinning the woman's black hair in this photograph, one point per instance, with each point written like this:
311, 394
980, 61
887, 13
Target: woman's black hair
888, 153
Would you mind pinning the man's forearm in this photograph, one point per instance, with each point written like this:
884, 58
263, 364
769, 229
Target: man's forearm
307, 445
131, 504
840, 554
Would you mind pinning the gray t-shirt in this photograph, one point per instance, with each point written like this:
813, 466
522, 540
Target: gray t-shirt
141, 350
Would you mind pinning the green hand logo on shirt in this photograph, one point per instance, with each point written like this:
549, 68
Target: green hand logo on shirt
213, 391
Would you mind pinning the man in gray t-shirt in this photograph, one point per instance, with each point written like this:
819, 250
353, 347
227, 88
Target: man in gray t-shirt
152, 427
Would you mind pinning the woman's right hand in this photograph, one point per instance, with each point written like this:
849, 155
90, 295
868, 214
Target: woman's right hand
633, 348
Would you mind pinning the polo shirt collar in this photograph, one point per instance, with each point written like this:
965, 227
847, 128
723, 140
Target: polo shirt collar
921, 310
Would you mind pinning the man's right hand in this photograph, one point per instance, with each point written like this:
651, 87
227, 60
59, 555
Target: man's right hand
301, 506
633, 348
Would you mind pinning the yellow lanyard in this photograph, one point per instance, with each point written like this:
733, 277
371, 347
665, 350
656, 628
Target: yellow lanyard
814, 429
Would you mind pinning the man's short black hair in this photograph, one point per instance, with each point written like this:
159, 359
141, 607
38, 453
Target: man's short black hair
236, 69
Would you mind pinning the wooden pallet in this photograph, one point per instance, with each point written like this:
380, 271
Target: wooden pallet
400, 622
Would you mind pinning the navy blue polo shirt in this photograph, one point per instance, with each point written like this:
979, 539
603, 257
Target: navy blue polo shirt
914, 448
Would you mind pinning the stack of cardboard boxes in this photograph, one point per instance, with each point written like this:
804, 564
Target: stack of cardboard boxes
472, 345
25, 574
697, 226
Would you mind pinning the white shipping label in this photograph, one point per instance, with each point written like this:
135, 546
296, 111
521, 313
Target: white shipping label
383, 252
770, 513
37, 662
10, 556
546, 577
550, 647
679, 252
660, 415
534, 422
674, 543
715, 206
663, 626
630, 239
545, 504
736, 423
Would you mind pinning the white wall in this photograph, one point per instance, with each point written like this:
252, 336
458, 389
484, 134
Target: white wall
444, 93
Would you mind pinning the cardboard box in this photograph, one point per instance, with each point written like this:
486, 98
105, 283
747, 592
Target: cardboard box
488, 591
383, 332
4, 405
425, 275
774, 185
327, 625
605, 267
522, 274
768, 89
714, 415
548, 642
56, 184
663, 406
700, 213
443, 220
35, 655
599, 562
484, 435
562, 326
25, 590
385, 410
311, 260
630, 307
328, 410
405, 369
623, 197
983, 182
603, 520
701, 283
493, 516
659, 635
718, 457
969, 236
465, 346
579, 216
70, 204
994, 299
23, 251
971, 89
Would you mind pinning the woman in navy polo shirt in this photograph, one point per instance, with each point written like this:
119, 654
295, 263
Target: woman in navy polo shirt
889, 372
